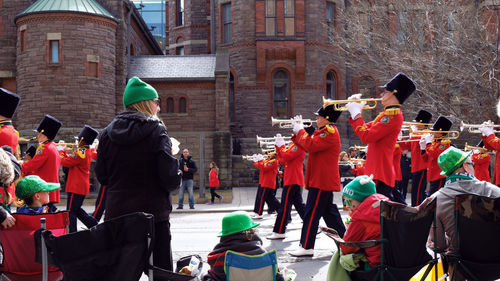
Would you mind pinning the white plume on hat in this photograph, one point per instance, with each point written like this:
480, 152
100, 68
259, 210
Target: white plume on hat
6, 168
364, 181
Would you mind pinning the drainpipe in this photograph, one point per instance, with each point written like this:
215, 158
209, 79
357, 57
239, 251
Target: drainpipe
212, 26
129, 17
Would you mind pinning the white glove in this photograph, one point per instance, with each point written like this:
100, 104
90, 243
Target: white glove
355, 97
262, 157
422, 143
255, 158
279, 141
476, 151
351, 165
428, 138
486, 131
297, 124
400, 136
355, 108
413, 128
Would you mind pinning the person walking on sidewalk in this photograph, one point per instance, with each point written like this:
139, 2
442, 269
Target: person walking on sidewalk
188, 168
213, 182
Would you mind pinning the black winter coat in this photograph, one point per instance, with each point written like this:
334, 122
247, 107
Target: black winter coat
191, 167
135, 162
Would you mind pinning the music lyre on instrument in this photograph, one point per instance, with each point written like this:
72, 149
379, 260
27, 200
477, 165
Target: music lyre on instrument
337, 103
474, 128
288, 123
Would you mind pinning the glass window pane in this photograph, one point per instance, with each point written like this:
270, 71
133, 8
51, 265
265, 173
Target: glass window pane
280, 94
170, 105
227, 33
54, 51
270, 27
329, 12
226, 13
182, 105
289, 7
270, 8
289, 26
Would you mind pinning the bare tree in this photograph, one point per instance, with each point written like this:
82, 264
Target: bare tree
449, 47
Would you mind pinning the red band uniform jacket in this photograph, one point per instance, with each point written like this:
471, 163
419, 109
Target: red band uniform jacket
491, 142
8, 136
268, 170
45, 164
397, 162
322, 170
481, 166
381, 135
432, 152
292, 158
418, 161
78, 175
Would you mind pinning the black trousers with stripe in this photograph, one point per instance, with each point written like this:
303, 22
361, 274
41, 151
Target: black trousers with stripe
291, 195
100, 203
319, 205
418, 186
265, 195
74, 206
436, 185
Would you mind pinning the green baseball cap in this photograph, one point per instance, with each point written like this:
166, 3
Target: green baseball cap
360, 188
451, 159
32, 184
236, 222
138, 90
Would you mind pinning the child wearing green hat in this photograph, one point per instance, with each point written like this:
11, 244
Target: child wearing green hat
238, 234
363, 202
33, 193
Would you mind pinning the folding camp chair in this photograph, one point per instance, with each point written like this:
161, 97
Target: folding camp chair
403, 238
19, 246
118, 249
477, 228
241, 267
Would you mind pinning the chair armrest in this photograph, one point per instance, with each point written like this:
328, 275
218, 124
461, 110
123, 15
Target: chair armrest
333, 234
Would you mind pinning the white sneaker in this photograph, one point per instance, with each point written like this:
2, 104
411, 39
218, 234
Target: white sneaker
301, 252
275, 236
257, 216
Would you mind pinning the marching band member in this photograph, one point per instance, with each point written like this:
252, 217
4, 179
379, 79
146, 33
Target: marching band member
46, 162
77, 185
381, 134
418, 163
397, 168
8, 134
481, 160
322, 176
434, 144
292, 157
267, 180
491, 142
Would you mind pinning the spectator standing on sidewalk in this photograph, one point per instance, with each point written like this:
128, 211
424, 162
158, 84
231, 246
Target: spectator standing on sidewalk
188, 168
213, 182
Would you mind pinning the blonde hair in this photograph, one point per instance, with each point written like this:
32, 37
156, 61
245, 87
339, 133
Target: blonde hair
145, 108
341, 155
215, 167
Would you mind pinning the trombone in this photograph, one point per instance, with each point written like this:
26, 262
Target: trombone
474, 128
337, 103
288, 123
415, 124
451, 134
271, 139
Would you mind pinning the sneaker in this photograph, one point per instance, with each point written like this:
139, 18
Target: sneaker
191, 207
179, 207
275, 236
210, 203
220, 199
301, 252
257, 216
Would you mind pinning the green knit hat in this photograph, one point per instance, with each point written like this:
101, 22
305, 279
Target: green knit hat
236, 222
360, 188
138, 90
32, 184
451, 159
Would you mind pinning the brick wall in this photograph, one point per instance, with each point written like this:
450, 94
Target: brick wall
63, 90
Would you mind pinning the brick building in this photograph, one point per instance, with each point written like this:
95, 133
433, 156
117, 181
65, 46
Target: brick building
230, 66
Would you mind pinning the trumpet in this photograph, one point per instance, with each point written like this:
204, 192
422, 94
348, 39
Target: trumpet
288, 123
249, 157
360, 147
271, 139
352, 161
468, 147
451, 134
61, 145
269, 151
474, 128
337, 103
407, 124
21, 139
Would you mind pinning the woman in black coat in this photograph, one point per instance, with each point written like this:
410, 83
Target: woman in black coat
135, 162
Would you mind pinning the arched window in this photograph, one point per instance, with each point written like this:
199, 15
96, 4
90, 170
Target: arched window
232, 106
280, 94
170, 105
182, 105
132, 50
330, 86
